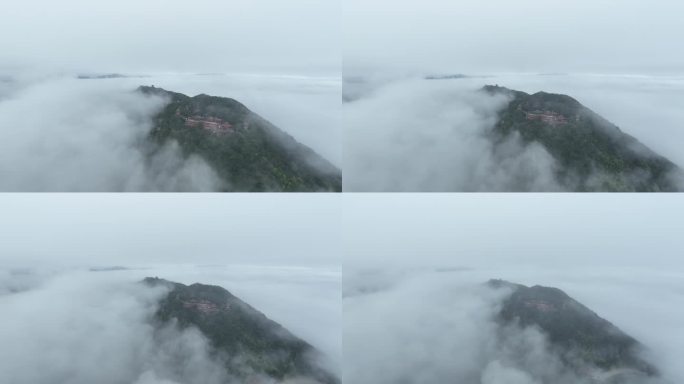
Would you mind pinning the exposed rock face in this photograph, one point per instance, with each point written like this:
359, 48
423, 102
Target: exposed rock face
235, 329
247, 152
592, 347
591, 153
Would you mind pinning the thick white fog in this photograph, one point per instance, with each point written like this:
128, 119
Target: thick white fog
61, 134
405, 133
417, 135
82, 326
432, 325
69, 263
415, 309
64, 134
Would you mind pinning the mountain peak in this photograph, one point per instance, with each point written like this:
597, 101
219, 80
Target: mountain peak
247, 152
234, 328
590, 153
572, 328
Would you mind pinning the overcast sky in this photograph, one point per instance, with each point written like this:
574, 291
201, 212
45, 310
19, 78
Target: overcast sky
520, 36
279, 253
520, 230
450, 153
413, 309
281, 59
299, 36
139, 229
377, 229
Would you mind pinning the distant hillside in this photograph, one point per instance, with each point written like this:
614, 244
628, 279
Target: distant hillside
246, 151
592, 153
456, 76
234, 328
91, 76
586, 342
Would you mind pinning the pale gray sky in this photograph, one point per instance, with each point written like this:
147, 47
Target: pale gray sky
514, 230
281, 59
476, 36
299, 36
488, 230
140, 229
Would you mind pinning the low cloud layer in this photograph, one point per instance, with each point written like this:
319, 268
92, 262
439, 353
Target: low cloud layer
306, 107
82, 326
69, 264
63, 134
436, 325
418, 135
410, 134
415, 266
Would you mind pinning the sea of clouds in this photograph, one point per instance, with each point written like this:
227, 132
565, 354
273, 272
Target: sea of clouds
84, 326
405, 133
61, 133
437, 324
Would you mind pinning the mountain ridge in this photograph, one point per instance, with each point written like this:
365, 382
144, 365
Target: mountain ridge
576, 333
246, 151
592, 153
234, 328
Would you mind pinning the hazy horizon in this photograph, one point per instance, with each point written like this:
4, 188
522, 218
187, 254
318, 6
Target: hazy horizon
174, 36
472, 36
69, 264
